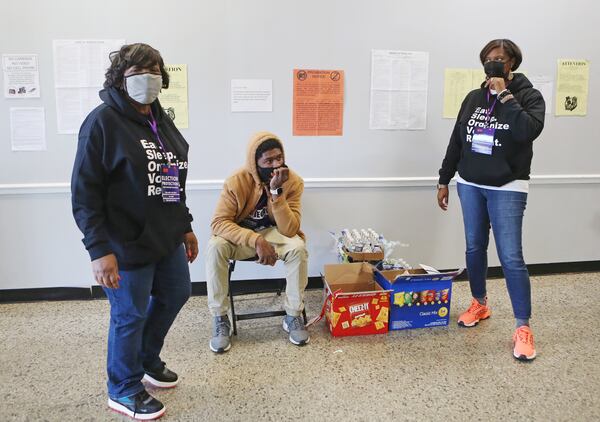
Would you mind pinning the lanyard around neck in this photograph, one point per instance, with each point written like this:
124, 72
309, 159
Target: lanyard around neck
154, 126
490, 110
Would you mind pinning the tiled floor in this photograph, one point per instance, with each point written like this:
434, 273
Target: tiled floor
52, 357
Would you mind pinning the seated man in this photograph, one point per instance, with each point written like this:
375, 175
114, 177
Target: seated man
258, 214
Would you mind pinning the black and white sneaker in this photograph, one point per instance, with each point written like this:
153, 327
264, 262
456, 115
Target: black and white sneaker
140, 406
161, 377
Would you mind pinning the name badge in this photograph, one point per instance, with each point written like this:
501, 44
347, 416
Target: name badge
169, 180
483, 140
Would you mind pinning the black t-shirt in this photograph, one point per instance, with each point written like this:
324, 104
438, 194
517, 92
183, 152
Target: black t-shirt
259, 218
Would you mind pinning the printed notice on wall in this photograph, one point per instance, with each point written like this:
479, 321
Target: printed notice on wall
457, 84
174, 100
399, 82
21, 75
572, 87
318, 102
251, 95
79, 69
27, 129
545, 85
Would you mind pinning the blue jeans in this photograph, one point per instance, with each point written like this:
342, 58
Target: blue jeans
142, 310
504, 210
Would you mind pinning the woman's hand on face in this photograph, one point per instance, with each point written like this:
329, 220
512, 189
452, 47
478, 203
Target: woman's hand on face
106, 271
191, 246
442, 198
497, 84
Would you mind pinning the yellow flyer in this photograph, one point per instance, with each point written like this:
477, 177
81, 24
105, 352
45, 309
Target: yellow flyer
457, 84
477, 77
174, 100
572, 87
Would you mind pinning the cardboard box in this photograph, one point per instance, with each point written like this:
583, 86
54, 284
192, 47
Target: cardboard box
355, 304
371, 257
419, 299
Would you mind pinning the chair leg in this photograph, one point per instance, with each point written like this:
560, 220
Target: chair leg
231, 305
235, 318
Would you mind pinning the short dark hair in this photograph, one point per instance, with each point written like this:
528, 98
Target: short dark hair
267, 145
141, 55
509, 47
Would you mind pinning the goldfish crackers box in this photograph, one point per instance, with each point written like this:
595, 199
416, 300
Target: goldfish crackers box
355, 304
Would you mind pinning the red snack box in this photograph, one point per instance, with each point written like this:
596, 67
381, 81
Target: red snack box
355, 304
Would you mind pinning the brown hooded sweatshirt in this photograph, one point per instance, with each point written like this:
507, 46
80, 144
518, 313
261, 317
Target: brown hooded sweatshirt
242, 191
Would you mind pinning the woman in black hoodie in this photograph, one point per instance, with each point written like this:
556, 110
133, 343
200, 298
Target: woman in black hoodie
128, 197
492, 147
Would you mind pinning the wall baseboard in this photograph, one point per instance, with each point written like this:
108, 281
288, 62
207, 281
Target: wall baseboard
261, 285
45, 293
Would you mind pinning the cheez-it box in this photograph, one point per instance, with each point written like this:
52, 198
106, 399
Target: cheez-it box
355, 304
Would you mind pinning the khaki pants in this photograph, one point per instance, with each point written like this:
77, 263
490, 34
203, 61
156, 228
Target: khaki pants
291, 250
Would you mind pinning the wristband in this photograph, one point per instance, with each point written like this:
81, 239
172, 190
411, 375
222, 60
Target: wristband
504, 93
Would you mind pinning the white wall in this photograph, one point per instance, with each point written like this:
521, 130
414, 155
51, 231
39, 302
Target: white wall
219, 40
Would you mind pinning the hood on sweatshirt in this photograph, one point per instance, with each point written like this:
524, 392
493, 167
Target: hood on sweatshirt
518, 82
255, 141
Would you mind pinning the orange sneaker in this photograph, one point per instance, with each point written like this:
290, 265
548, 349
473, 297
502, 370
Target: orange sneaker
523, 340
474, 314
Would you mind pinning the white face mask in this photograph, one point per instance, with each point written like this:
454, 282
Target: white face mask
143, 88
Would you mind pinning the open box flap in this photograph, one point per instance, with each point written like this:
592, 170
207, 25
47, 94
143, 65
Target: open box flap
342, 279
346, 280
399, 275
345, 274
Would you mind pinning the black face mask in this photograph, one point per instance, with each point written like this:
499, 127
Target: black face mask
265, 172
494, 69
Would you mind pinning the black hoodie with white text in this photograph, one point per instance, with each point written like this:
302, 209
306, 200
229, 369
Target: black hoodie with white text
115, 185
517, 123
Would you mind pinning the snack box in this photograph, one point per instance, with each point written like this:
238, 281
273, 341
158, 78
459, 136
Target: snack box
372, 257
354, 303
419, 298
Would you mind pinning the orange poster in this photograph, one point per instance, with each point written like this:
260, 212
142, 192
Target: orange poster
318, 102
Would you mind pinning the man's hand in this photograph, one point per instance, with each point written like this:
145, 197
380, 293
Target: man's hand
191, 246
442, 198
266, 252
106, 271
280, 175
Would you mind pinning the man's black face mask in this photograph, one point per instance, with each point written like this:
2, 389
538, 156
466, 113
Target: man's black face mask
265, 172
